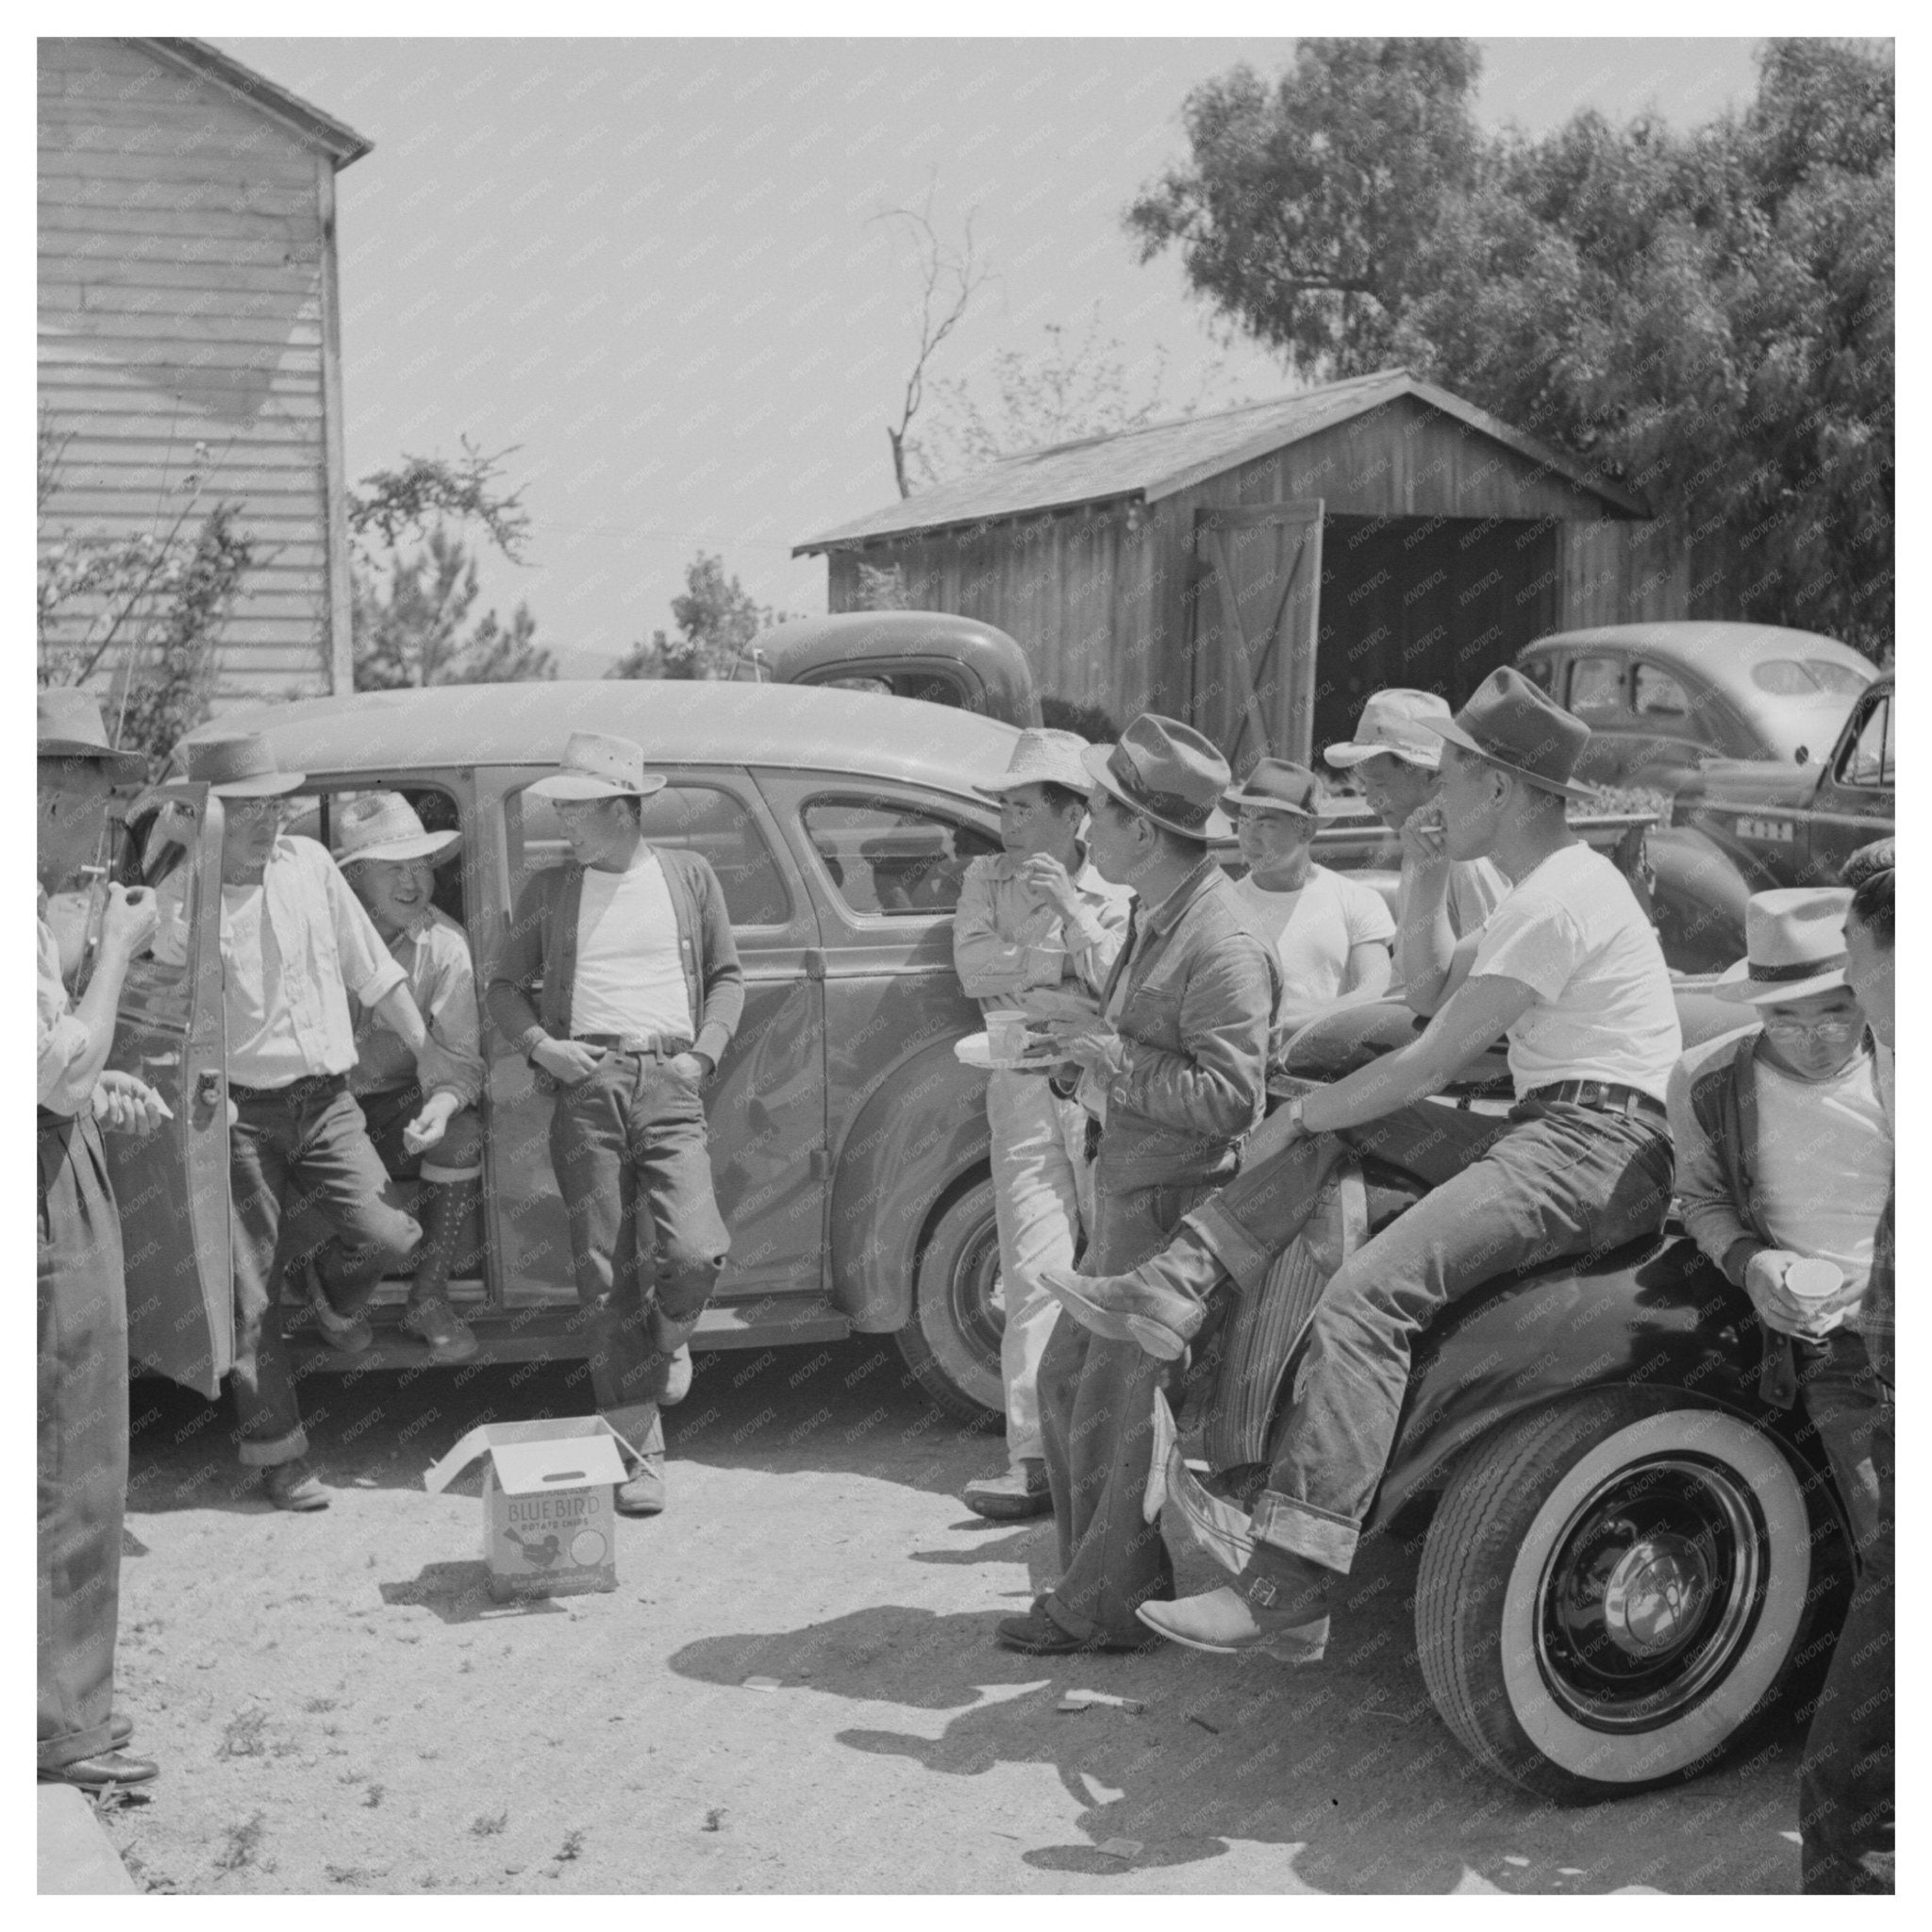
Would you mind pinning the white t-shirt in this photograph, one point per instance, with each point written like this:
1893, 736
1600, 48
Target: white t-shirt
629, 978
1573, 933
1477, 888
1313, 929
1823, 1160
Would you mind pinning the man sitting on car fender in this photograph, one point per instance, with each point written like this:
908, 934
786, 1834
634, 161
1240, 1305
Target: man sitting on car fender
1570, 970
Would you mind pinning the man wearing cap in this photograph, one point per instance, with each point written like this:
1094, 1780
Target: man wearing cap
1175, 1068
1331, 933
1569, 968
295, 944
1036, 932
80, 1298
641, 993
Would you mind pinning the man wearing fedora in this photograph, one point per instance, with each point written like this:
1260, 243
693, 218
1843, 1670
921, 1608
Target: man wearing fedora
1175, 1068
295, 945
1036, 932
80, 1297
641, 993
1331, 933
1785, 1155
1570, 970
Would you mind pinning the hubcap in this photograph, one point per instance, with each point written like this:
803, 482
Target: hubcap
1651, 1592
978, 1306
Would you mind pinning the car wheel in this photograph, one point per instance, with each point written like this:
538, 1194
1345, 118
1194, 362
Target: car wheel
1611, 1591
952, 1344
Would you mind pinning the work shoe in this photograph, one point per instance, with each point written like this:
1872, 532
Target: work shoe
1257, 1614
294, 1486
1037, 1634
450, 1337
1022, 1491
643, 1493
106, 1768
1160, 1305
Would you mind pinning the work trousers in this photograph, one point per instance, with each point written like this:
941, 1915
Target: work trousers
81, 1453
1042, 1190
633, 1164
1551, 1179
300, 1156
1096, 1400
1845, 1782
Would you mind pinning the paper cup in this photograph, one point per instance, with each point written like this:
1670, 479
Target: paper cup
1006, 1035
1810, 1280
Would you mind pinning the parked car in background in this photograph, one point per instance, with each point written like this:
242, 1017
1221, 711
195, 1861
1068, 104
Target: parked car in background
1662, 700
933, 654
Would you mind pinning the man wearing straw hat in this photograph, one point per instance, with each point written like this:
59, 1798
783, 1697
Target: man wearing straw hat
1568, 967
80, 1298
1035, 934
641, 993
1175, 1068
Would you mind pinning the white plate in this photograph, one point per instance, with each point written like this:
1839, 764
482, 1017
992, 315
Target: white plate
976, 1051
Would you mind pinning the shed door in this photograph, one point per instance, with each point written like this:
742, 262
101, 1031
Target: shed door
1256, 608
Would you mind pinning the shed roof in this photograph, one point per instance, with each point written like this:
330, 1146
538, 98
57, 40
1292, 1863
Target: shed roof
1166, 458
336, 139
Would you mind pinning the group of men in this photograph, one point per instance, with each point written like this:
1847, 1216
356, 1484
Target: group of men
1178, 1188
354, 1070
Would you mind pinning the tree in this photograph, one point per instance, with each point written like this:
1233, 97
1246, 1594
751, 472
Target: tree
717, 618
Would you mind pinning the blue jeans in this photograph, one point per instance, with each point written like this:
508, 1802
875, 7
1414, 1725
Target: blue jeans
1551, 1179
628, 1143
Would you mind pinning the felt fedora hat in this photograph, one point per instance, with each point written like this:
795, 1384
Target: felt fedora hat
383, 824
1395, 723
1166, 771
1794, 945
1278, 785
242, 766
1511, 722
69, 727
1041, 757
596, 765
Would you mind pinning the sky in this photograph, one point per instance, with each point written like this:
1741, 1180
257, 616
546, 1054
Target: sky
657, 270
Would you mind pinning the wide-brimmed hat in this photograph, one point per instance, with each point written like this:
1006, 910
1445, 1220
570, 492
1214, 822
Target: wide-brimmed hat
1794, 945
383, 824
1041, 757
1511, 722
1396, 724
1168, 773
243, 766
1278, 785
595, 765
71, 727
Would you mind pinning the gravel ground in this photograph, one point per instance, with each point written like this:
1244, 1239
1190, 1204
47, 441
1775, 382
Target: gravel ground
794, 1688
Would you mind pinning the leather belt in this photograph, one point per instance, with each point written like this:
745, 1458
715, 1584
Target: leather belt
310, 1087
1604, 1095
666, 1044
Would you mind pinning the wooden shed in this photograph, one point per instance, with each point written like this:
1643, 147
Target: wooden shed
188, 295
1259, 571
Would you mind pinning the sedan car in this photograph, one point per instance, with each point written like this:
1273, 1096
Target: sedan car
1662, 699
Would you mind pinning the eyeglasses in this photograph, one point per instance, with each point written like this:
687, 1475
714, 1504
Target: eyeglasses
1832, 1032
254, 809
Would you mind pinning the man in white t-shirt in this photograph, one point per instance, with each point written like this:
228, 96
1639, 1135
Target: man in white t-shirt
1569, 969
1331, 933
640, 993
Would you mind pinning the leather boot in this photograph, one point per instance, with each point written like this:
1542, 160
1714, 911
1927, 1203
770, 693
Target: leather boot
441, 1211
1160, 1305
1279, 1604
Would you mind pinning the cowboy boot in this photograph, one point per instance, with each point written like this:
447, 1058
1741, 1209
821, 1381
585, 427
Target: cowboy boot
1160, 1305
1279, 1603
442, 1210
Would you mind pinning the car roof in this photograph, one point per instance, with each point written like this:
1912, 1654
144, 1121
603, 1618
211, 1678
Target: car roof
1708, 647
677, 723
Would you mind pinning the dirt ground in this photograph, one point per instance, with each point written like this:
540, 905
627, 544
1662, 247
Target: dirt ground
794, 1687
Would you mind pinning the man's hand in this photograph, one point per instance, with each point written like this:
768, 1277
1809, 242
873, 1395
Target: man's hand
1425, 843
690, 1070
128, 920
426, 1129
1088, 1042
1789, 1315
124, 1104
567, 1062
1048, 880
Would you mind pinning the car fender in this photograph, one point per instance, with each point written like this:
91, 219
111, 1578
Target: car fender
1657, 1315
1698, 890
921, 1135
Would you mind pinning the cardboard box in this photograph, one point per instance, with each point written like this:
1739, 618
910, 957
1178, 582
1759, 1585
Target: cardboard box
549, 1511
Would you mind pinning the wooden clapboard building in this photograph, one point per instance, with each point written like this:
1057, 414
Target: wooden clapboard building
1260, 571
187, 296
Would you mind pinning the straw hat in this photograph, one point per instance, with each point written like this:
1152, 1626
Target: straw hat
597, 766
1043, 758
1794, 945
383, 824
1166, 771
1396, 724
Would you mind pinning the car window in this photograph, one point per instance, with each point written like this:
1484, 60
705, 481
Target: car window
1868, 758
1849, 679
1539, 671
312, 815
891, 859
1655, 693
1596, 686
704, 819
